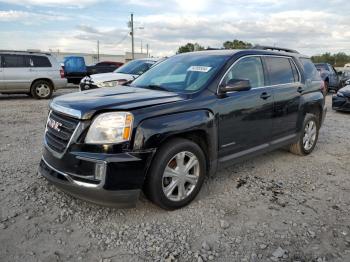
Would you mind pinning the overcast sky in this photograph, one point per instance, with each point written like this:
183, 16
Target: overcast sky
76, 25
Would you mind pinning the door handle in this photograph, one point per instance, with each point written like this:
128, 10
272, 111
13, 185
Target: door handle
264, 96
300, 89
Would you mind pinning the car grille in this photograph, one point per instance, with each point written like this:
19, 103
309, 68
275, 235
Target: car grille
58, 136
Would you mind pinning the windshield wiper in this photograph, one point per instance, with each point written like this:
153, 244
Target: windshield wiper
157, 87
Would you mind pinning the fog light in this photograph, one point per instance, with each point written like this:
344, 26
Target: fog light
100, 171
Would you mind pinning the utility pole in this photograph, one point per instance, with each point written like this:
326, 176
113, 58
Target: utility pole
141, 48
147, 47
98, 50
132, 36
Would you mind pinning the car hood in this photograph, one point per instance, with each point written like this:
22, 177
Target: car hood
83, 105
345, 91
111, 77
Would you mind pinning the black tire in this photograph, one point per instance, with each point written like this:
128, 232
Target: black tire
154, 183
299, 148
41, 89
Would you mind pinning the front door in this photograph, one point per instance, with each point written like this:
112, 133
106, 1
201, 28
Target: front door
245, 122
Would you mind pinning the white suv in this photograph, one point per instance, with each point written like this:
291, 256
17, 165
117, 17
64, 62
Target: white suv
33, 73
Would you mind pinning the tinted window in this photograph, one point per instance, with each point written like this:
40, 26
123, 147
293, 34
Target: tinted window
310, 69
249, 68
14, 61
136, 67
184, 73
39, 61
281, 71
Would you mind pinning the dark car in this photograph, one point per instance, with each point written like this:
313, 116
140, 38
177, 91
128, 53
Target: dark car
341, 101
330, 76
103, 67
185, 118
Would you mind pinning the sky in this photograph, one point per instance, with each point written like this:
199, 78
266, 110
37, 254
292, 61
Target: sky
311, 27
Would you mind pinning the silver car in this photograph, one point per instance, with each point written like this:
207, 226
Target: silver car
125, 73
33, 73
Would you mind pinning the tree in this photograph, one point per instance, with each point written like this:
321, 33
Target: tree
189, 47
237, 44
339, 59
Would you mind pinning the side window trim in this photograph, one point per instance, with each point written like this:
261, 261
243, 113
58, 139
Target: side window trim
238, 60
291, 61
265, 68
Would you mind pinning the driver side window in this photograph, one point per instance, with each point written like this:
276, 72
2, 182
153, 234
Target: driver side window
249, 68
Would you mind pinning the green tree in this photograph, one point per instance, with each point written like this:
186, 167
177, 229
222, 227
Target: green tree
339, 59
190, 47
237, 44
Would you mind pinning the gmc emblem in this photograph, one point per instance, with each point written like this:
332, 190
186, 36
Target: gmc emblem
54, 124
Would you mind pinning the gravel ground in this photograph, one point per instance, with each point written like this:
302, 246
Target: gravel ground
275, 207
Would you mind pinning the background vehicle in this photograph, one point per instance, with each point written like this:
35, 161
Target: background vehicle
125, 73
330, 76
103, 67
185, 118
341, 101
33, 73
345, 78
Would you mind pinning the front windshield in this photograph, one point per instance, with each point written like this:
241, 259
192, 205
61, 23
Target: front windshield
182, 73
136, 67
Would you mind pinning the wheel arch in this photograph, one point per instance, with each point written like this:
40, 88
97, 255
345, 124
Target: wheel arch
43, 79
198, 126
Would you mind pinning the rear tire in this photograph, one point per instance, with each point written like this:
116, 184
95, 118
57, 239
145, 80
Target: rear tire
41, 89
308, 137
168, 183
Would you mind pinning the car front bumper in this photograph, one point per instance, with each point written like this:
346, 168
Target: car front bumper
113, 180
341, 103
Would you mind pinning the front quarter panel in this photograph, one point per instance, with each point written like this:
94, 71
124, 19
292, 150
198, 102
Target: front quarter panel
151, 133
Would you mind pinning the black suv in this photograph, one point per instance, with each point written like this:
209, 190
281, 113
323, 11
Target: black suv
182, 120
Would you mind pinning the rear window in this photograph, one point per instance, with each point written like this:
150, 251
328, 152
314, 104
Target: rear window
281, 71
12, 61
39, 61
310, 69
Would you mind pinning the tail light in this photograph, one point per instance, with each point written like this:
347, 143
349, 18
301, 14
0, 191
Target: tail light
62, 73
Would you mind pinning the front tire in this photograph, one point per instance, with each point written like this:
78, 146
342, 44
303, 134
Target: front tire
176, 175
41, 89
308, 138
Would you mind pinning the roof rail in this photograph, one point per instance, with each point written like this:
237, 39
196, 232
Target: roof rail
274, 48
28, 52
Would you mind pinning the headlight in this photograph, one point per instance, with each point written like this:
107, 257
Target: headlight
111, 83
347, 82
110, 128
340, 94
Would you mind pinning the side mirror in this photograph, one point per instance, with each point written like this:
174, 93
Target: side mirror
236, 85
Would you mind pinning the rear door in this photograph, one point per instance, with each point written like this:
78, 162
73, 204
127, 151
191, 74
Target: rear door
16, 73
286, 84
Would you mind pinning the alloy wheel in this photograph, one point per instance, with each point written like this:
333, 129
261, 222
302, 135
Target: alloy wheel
42, 90
180, 176
310, 133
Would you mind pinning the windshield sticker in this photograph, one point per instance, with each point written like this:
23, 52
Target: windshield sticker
203, 69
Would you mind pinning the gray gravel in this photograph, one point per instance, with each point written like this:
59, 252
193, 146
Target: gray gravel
276, 207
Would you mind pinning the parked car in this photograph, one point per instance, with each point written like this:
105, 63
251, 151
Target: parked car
125, 73
103, 67
345, 78
330, 76
33, 73
341, 101
187, 117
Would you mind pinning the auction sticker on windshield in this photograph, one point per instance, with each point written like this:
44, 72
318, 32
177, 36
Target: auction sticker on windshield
203, 69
